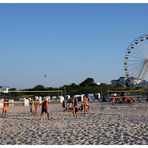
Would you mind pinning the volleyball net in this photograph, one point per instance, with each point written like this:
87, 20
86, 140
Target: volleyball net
24, 97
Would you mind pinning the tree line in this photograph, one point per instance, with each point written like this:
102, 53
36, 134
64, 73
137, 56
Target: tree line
85, 87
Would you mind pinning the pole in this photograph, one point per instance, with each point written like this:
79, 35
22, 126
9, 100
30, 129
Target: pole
65, 97
101, 99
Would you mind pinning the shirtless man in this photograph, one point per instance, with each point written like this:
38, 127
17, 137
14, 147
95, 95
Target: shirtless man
5, 107
86, 104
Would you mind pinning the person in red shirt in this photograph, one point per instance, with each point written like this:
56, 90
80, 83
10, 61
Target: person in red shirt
45, 109
128, 100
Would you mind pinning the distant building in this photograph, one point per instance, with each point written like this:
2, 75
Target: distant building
129, 82
120, 81
4, 89
115, 82
142, 83
133, 81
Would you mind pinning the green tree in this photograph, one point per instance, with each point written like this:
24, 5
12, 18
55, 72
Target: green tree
39, 87
87, 82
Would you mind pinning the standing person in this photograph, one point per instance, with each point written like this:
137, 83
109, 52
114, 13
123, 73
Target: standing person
5, 107
138, 99
45, 108
63, 105
32, 107
36, 107
86, 104
74, 107
128, 100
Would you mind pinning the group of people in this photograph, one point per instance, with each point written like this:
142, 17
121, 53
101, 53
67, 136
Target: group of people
124, 99
75, 107
44, 107
33, 107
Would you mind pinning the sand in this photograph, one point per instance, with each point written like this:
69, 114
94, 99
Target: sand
112, 125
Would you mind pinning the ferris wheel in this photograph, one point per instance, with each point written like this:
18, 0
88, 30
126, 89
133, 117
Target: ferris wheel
136, 59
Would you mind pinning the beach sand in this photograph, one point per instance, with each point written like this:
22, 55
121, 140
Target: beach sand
112, 125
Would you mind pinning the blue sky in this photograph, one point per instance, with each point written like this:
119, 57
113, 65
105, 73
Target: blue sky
67, 42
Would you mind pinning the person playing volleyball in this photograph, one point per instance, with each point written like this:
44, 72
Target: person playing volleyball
45, 108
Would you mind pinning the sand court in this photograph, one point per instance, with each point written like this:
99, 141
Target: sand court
120, 124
